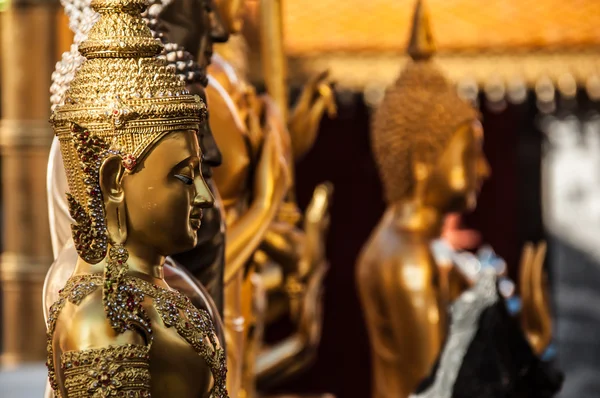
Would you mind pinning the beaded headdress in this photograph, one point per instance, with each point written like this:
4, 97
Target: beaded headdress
122, 100
81, 19
421, 111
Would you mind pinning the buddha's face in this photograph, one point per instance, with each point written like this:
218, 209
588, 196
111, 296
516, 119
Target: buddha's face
232, 12
164, 198
214, 32
459, 172
211, 157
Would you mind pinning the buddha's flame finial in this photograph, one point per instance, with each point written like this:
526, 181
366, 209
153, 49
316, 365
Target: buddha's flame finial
421, 45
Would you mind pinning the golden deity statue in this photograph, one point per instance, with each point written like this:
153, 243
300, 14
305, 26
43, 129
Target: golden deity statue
427, 144
206, 260
128, 136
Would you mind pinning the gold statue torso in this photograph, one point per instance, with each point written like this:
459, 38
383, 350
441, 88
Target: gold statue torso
398, 284
179, 342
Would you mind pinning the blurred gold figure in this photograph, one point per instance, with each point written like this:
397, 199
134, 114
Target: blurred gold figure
270, 253
428, 148
427, 144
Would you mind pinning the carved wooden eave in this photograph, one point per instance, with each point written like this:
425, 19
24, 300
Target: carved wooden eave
498, 46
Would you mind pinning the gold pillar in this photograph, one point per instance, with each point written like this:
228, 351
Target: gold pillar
273, 55
28, 33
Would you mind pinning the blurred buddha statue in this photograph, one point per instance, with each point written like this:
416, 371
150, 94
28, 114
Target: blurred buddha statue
427, 144
128, 134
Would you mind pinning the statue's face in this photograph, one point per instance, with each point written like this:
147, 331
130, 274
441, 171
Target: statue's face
459, 172
215, 31
232, 12
211, 157
165, 197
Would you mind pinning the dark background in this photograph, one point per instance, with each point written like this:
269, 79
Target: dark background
508, 214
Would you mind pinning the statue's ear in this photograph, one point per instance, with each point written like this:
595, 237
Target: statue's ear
111, 178
420, 164
421, 170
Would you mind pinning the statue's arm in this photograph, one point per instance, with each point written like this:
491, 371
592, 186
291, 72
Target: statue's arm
277, 362
270, 184
245, 234
402, 313
94, 359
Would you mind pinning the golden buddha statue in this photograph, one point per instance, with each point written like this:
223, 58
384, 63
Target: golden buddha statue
128, 137
428, 148
427, 144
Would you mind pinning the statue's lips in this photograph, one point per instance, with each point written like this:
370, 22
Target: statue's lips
196, 218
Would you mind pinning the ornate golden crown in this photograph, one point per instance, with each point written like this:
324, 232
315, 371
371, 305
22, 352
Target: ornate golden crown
122, 100
420, 112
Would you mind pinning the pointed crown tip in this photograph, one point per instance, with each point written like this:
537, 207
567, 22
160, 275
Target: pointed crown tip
421, 45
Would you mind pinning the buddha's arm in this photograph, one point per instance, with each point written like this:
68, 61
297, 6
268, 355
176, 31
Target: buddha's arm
536, 318
416, 317
94, 359
282, 244
317, 97
292, 354
298, 250
278, 362
403, 316
246, 233
285, 358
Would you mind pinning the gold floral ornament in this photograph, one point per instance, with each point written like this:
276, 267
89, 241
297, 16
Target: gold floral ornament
122, 100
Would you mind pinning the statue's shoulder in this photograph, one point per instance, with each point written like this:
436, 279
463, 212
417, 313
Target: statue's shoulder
79, 320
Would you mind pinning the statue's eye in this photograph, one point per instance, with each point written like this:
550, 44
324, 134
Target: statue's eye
185, 179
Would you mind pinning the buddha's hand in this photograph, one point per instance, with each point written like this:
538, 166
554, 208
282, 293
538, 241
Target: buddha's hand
251, 109
456, 236
536, 317
284, 243
271, 180
310, 323
317, 97
316, 225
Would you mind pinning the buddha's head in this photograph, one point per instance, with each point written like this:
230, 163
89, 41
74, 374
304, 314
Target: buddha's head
427, 141
128, 135
194, 25
232, 13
